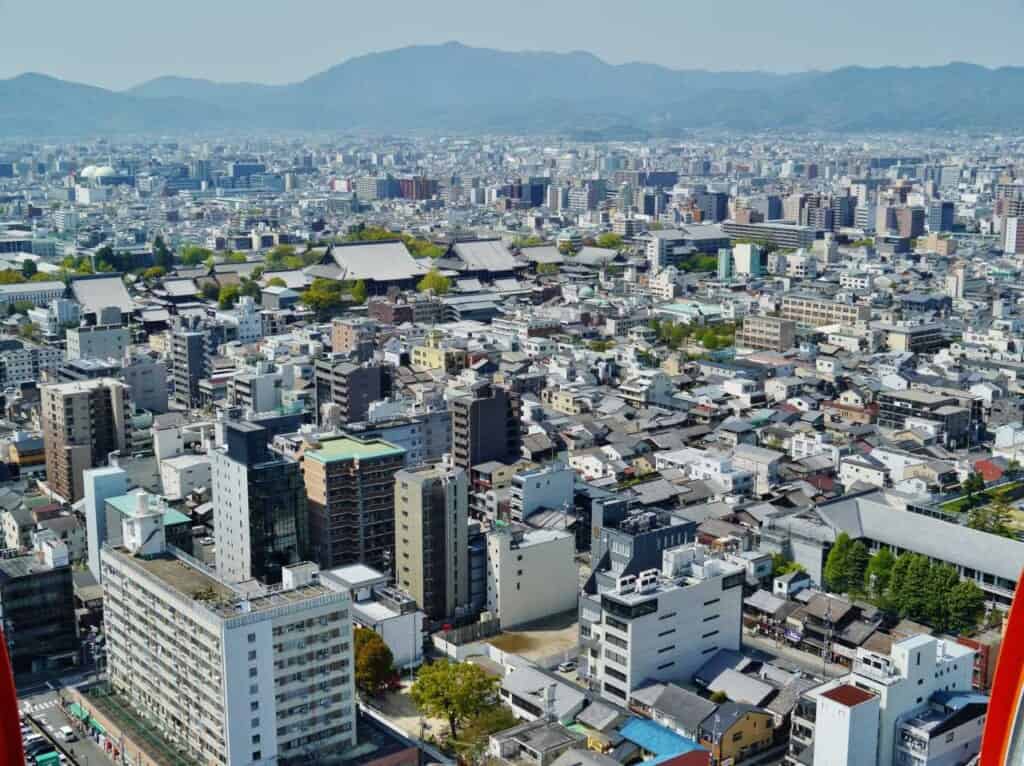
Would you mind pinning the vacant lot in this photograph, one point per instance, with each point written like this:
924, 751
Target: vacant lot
541, 640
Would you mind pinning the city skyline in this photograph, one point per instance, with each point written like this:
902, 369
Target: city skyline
750, 37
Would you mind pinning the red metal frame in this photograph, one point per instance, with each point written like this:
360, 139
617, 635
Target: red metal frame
11, 748
1007, 687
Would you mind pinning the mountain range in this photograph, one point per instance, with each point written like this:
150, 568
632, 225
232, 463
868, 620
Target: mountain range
454, 88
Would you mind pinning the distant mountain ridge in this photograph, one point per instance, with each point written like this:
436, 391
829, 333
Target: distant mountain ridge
457, 88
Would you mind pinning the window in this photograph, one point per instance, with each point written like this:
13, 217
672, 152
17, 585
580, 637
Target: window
254, 706
712, 617
252, 672
737, 736
252, 655
710, 649
712, 601
252, 638
668, 632
664, 649
255, 739
668, 616
254, 723
709, 635
666, 665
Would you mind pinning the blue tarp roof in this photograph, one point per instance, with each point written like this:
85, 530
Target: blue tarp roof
656, 739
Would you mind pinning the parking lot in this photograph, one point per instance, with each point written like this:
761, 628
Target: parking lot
44, 709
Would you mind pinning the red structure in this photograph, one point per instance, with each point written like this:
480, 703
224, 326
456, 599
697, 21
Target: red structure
1002, 743
11, 752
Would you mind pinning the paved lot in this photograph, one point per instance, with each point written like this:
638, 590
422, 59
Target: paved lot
45, 708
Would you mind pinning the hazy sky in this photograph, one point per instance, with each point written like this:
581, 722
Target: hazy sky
118, 43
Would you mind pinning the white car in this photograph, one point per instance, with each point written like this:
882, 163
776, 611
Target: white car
67, 734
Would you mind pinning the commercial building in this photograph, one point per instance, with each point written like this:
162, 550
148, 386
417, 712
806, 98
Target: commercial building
265, 676
547, 488
661, 624
815, 312
887, 699
432, 538
188, 363
425, 436
38, 607
668, 247
351, 387
766, 333
941, 216
22, 362
485, 426
97, 342
531, 574
82, 424
260, 521
941, 414
36, 293
350, 491
778, 234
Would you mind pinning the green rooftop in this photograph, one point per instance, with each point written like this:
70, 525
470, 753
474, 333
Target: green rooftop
125, 505
347, 448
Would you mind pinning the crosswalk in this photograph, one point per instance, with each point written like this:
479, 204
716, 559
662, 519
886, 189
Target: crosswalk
38, 707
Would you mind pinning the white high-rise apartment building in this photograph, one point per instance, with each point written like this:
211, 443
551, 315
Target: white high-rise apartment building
234, 677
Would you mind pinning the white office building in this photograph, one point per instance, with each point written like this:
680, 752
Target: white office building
258, 676
661, 625
549, 487
99, 342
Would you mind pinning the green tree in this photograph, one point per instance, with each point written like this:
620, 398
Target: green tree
898, 580
454, 691
232, 257
29, 269
916, 599
423, 248
11, 277
374, 661
473, 739
878, 573
941, 582
210, 291
153, 272
228, 296
719, 697
323, 296
1013, 468
547, 268
837, 565
193, 255
995, 518
359, 292
782, 566
276, 282
859, 560
972, 485
610, 241
42, 276
249, 287
436, 281
965, 606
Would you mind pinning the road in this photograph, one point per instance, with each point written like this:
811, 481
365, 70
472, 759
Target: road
789, 658
44, 707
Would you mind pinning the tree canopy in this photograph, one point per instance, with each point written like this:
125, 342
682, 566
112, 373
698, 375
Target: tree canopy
995, 518
374, 661
609, 240
436, 281
193, 255
324, 296
453, 691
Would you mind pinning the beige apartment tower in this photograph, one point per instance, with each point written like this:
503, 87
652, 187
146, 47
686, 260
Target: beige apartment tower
432, 538
83, 422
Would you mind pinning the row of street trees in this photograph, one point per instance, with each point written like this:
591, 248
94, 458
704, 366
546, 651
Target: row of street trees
909, 584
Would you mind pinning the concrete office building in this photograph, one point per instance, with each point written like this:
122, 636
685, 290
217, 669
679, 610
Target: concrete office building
815, 312
36, 293
779, 234
260, 520
766, 333
351, 387
942, 414
531, 574
432, 538
749, 260
941, 215
917, 672
100, 484
188, 363
485, 426
264, 677
38, 607
350, 491
547, 488
425, 436
82, 424
661, 624
97, 342
22, 362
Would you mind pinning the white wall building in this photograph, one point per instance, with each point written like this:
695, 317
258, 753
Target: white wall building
99, 342
661, 625
231, 677
550, 487
531, 574
846, 727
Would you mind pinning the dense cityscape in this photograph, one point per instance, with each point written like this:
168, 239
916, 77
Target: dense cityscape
704, 450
